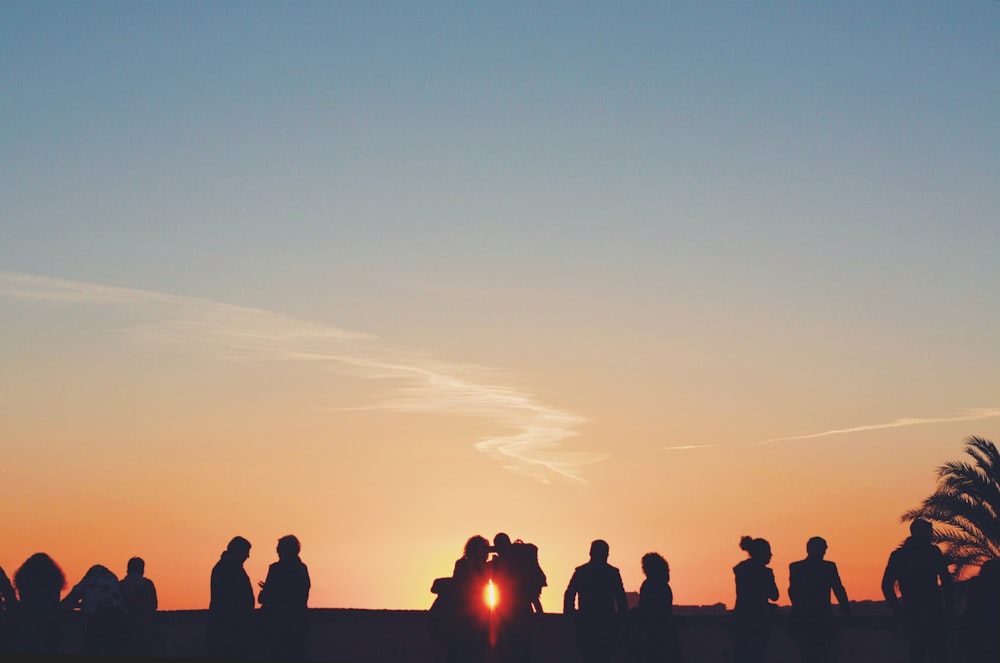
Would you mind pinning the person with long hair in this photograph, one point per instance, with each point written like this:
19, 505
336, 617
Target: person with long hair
39, 583
754, 610
231, 604
99, 598
470, 616
654, 638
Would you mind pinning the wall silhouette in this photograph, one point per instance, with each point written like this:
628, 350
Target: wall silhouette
401, 636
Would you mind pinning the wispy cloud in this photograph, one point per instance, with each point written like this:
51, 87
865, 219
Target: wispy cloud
971, 414
420, 384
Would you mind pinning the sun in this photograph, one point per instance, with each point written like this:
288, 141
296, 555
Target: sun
491, 596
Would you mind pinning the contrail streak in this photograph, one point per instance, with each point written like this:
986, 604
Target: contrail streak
685, 447
231, 332
970, 415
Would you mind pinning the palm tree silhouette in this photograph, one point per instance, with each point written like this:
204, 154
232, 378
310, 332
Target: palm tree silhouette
966, 506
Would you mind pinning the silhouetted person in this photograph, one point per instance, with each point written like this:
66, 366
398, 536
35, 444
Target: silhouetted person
39, 583
231, 607
810, 582
139, 594
519, 580
916, 567
8, 605
284, 596
105, 625
654, 638
464, 616
753, 613
981, 623
595, 597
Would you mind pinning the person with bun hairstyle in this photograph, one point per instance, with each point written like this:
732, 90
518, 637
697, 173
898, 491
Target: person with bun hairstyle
754, 610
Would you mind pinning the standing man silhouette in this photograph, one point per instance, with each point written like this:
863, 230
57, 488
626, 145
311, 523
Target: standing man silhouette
596, 599
810, 582
918, 568
139, 594
284, 598
232, 603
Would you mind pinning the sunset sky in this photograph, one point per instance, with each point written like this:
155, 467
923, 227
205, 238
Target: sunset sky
388, 275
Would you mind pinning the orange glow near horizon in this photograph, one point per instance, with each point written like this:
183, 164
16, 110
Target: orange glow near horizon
200, 448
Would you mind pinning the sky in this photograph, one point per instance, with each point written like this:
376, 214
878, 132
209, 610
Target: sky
387, 275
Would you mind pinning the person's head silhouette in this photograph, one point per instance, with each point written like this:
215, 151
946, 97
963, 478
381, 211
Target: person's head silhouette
136, 566
654, 566
599, 550
477, 548
758, 549
816, 547
239, 548
921, 530
288, 547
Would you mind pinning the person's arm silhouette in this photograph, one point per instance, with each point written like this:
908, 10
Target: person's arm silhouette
773, 589
889, 578
569, 598
840, 592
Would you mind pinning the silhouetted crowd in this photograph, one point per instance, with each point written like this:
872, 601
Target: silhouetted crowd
118, 614
490, 601
488, 608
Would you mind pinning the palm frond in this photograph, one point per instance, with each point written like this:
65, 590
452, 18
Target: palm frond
965, 508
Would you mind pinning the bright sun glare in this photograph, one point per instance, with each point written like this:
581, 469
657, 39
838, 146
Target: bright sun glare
491, 595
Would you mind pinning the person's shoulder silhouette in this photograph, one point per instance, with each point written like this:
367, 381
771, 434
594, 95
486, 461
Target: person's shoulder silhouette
596, 587
811, 580
919, 569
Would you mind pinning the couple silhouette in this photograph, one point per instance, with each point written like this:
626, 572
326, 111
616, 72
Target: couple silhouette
489, 601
